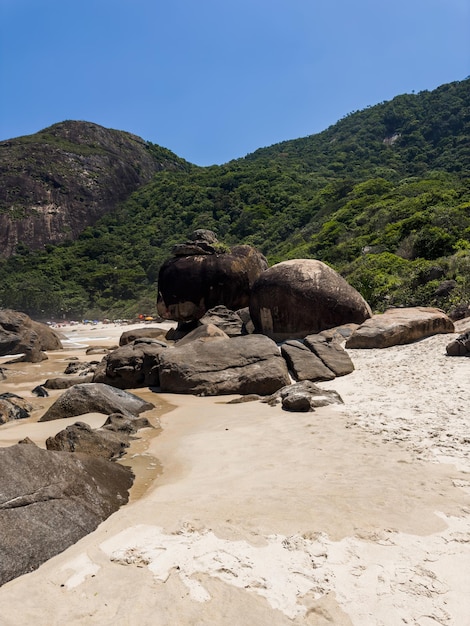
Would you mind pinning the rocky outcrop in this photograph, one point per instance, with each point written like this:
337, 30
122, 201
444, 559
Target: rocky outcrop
400, 326
50, 500
225, 319
303, 396
193, 282
297, 298
19, 334
459, 346
132, 365
241, 365
13, 407
98, 442
95, 398
64, 178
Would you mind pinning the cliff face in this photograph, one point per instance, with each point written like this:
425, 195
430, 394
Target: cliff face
59, 181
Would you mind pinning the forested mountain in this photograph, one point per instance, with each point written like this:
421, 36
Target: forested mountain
383, 196
55, 183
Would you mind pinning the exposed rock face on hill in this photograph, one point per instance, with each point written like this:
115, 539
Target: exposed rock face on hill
59, 181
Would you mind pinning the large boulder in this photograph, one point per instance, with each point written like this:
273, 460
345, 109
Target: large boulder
50, 500
242, 365
132, 365
19, 334
301, 297
197, 280
95, 398
400, 326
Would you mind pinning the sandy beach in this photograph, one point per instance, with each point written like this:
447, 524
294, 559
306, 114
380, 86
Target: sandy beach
244, 514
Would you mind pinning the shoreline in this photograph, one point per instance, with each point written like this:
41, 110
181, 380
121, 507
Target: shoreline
253, 515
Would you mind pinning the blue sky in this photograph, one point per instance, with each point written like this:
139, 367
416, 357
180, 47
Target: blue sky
214, 80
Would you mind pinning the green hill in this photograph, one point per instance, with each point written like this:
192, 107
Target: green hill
383, 196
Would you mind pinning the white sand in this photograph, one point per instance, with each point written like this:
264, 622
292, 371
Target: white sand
358, 515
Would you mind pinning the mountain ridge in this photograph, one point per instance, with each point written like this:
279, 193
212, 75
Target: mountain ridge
383, 196
55, 183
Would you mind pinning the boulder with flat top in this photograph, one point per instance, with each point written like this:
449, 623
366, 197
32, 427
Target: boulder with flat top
400, 326
240, 365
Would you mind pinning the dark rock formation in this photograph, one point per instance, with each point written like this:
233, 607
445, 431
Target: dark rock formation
248, 326
95, 398
130, 424
192, 283
50, 500
459, 346
400, 326
40, 391
225, 319
297, 298
98, 442
303, 396
303, 363
19, 334
82, 368
13, 407
331, 353
59, 181
132, 365
242, 365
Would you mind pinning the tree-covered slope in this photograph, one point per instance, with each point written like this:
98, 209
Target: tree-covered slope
383, 196
55, 183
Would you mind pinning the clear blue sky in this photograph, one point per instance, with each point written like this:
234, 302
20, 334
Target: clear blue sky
213, 80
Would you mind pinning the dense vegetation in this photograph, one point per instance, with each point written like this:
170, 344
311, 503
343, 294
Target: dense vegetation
383, 196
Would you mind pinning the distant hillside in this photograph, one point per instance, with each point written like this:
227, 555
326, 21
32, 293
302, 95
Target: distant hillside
59, 181
383, 196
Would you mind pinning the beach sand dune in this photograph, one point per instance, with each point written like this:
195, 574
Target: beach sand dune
247, 514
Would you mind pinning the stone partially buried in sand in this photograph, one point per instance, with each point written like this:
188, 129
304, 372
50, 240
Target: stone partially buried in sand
95, 398
50, 500
400, 326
